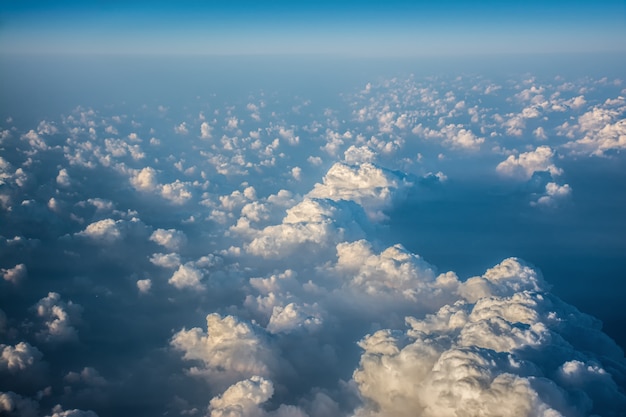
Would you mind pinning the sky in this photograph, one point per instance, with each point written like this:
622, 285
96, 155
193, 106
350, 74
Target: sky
393, 28
327, 209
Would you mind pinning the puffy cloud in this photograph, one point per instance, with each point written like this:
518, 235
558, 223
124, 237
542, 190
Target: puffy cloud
540, 133
35, 140
243, 398
14, 405
145, 179
391, 276
177, 192
527, 163
171, 239
312, 223
57, 411
205, 131
144, 285
181, 129
294, 316
170, 260
359, 155
15, 274
509, 351
554, 192
88, 376
107, 231
454, 136
59, 317
296, 173
368, 185
603, 129
187, 276
228, 351
63, 178
19, 358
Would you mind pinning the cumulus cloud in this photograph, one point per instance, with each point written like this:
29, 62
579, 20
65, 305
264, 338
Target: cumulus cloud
304, 278
19, 358
507, 351
553, 194
359, 155
63, 178
314, 224
170, 260
14, 275
603, 129
370, 186
181, 129
171, 239
106, 231
243, 398
144, 285
205, 130
59, 318
57, 411
14, 405
88, 376
146, 180
526, 164
230, 350
187, 276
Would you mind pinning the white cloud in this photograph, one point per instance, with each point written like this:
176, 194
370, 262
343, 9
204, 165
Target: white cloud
35, 141
508, 353
526, 164
19, 358
296, 173
59, 318
106, 231
14, 275
554, 193
144, 285
14, 405
187, 276
170, 260
540, 133
205, 130
230, 350
394, 274
177, 192
243, 398
181, 129
294, 316
359, 155
63, 178
368, 185
315, 223
145, 179
171, 239
603, 129
454, 136
57, 411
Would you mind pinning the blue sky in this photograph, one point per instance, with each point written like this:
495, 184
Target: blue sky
343, 27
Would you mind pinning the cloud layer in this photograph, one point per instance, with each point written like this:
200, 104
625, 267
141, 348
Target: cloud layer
236, 255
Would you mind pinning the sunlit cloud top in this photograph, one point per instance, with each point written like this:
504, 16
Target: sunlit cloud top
394, 27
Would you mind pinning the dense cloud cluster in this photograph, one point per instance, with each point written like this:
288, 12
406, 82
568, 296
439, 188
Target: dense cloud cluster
232, 259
